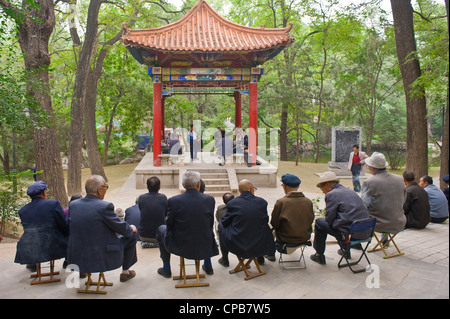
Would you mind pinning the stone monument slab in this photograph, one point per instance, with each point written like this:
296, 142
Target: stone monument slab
342, 141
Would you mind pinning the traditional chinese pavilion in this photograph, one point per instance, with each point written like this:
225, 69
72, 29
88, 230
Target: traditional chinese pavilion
205, 53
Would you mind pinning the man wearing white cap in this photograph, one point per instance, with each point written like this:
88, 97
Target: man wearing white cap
384, 195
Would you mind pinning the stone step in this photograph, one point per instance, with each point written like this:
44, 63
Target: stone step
218, 187
214, 175
215, 181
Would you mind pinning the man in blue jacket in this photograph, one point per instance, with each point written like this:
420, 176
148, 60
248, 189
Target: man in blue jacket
45, 229
188, 232
99, 241
244, 230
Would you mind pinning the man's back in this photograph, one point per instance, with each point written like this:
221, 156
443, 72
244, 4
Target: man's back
45, 232
438, 202
246, 232
343, 207
292, 218
153, 207
93, 244
416, 206
384, 195
190, 220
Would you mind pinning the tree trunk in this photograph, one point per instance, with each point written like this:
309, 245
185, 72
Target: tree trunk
445, 138
283, 133
416, 125
34, 35
79, 99
95, 163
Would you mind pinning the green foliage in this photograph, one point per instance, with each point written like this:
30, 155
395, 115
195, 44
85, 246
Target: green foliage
12, 198
342, 66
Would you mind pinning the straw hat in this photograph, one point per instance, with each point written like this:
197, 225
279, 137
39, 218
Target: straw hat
377, 160
327, 177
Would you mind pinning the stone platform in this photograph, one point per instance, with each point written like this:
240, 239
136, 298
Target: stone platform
217, 178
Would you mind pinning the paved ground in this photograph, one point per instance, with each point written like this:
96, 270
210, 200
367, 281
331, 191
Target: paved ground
422, 272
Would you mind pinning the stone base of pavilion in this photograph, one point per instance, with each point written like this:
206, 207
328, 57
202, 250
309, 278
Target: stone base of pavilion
219, 179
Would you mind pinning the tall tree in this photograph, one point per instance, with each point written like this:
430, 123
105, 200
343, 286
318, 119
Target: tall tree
79, 96
35, 23
416, 112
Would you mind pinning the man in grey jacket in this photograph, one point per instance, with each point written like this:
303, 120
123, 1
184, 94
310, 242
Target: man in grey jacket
384, 195
343, 207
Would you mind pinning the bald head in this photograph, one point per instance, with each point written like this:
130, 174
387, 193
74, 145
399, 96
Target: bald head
246, 185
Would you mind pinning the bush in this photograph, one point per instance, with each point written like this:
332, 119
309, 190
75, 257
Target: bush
11, 200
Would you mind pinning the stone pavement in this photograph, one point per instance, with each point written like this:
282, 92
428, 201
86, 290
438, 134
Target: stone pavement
421, 273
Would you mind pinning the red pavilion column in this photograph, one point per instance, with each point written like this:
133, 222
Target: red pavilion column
157, 111
253, 116
237, 109
163, 114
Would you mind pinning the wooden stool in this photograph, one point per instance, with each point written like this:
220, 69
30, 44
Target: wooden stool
39, 274
244, 266
98, 283
185, 277
383, 246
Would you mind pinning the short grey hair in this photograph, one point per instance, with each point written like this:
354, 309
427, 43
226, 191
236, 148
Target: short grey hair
190, 179
93, 183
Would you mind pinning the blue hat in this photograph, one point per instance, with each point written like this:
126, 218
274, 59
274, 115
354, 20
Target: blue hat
290, 180
445, 178
36, 188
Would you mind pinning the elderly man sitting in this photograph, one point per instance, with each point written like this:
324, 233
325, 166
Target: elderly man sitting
343, 207
436, 197
188, 232
384, 194
45, 229
416, 206
292, 215
93, 242
244, 230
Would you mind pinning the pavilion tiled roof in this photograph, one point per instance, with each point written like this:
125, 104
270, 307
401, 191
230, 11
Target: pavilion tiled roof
202, 29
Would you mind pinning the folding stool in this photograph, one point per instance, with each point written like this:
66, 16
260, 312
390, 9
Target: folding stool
361, 231
243, 266
89, 282
288, 249
184, 277
39, 274
381, 245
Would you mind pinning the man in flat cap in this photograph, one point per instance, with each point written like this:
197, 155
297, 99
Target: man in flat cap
45, 229
292, 215
343, 207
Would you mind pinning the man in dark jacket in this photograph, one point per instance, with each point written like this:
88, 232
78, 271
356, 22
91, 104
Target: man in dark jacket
45, 229
153, 207
245, 229
188, 232
94, 245
343, 207
416, 206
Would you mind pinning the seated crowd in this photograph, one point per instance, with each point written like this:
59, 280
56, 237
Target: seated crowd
92, 236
